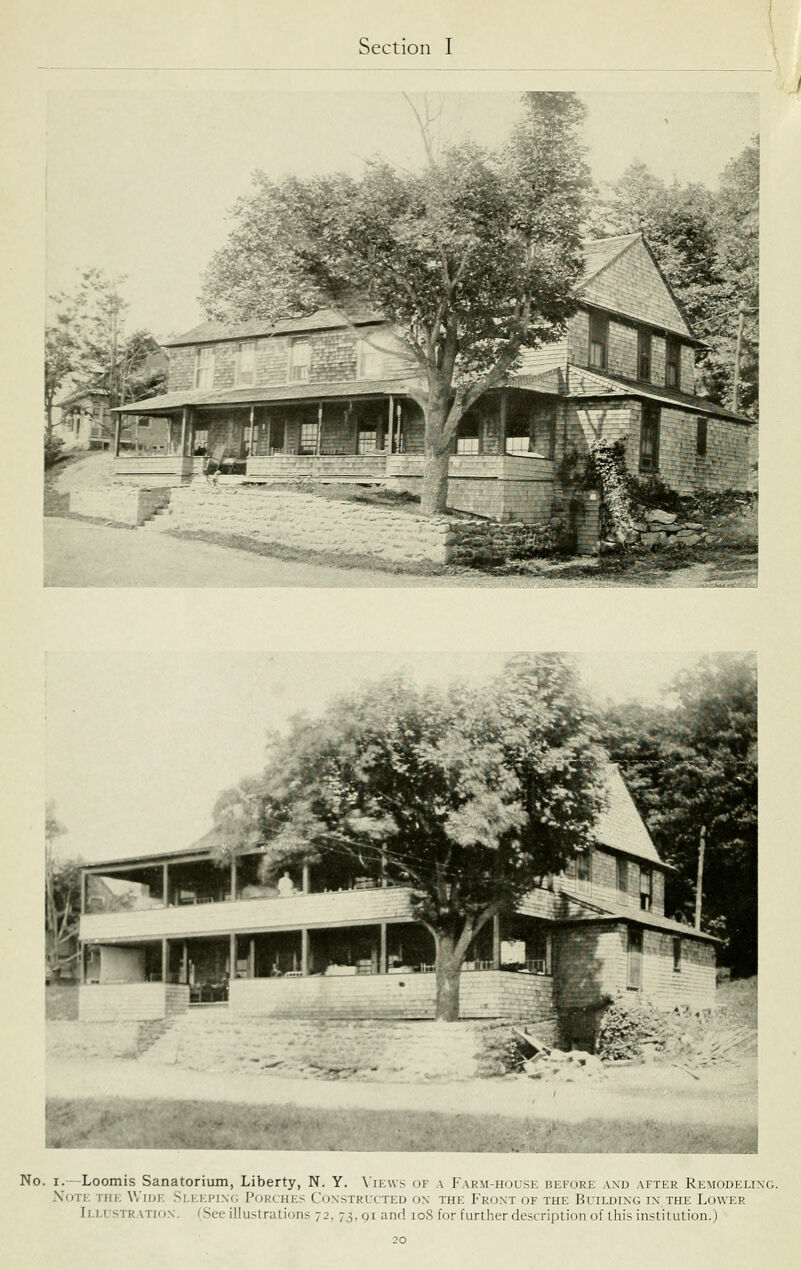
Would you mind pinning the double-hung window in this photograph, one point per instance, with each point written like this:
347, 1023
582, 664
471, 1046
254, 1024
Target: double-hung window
299, 360
370, 361
204, 368
246, 364
599, 340
672, 362
643, 354
649, 438
646, 888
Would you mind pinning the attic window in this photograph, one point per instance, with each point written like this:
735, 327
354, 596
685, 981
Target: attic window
646, 888
370, 361
672, 362
599, 338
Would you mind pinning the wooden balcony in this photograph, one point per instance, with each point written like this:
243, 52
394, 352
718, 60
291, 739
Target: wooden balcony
321, 909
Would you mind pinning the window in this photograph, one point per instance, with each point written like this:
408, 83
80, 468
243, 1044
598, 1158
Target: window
517, 442
700, 438
643, 354
370, 361
622, 876
649, 438
539, 958
467, 436
677, 954
599, 337
672, 362
246, 363
646, 888
144, 423
299, 359
584, 871
367, 438
200, 444
635, 958
308, 438
204, 371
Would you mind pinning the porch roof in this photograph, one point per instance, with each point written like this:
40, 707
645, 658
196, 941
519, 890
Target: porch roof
168, 402
655, 921
582, 382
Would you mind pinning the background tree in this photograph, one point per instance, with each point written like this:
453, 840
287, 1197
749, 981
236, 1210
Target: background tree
473, 257
62, 899
694, 765
63, 353
467, 795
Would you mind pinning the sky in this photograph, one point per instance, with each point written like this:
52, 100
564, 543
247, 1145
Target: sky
141, 184
139, 746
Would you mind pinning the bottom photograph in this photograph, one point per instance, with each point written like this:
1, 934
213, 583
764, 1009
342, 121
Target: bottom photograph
468, 902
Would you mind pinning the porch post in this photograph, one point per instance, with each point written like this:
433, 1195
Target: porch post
382, 950
496, 942
233, 877
165, 960
318, 447
117, 432
184, 414
252, 429
306, 878
502, 424
388, 433
83, 964
184, 963
165, 884
398, 427
252, 958
83, 891
269, 434
232, 956
383, 867
304, 952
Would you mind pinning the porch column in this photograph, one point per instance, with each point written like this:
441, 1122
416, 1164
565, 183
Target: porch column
318, 447
252, 958
252, 429
306, 878
233, 877
165, 884
304, 952
382, 950
184, 962
502, 424
165, 960
388, 433
383, 867
83, 892
269, 437
184, 417
496, 942
398, 427
117, 432
83, 964
232, 956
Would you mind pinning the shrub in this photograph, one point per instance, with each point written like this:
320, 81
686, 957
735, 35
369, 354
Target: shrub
625, 1025
52, 450
652, 492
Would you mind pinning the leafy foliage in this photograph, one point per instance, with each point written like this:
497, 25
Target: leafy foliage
466, 794
623, 1027
62, 898
696, 765
473, 257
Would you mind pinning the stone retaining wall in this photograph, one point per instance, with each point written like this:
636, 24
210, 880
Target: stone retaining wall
305, 521
130, 1001
125, 505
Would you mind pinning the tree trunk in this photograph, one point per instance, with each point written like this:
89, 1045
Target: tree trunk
434, 498
49, 425
448, 968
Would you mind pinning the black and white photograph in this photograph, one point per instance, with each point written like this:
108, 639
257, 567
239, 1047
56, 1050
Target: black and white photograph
354, 339
452, 903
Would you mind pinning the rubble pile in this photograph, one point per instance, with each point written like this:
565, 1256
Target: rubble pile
544, 1062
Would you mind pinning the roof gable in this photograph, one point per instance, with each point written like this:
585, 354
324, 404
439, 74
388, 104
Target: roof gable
620, 825
623, 275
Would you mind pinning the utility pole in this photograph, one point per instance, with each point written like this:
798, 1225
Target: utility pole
700, 882
735, 405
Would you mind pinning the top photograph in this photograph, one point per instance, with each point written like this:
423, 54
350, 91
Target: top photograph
387, 339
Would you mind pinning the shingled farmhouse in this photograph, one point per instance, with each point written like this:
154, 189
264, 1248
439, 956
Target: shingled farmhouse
160, 934
322, 398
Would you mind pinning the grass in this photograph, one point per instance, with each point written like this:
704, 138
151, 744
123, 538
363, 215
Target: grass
123, 1124
61, 1000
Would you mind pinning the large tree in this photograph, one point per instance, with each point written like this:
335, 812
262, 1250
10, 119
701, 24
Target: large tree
62, 899
473, 257
465, 794
693, 766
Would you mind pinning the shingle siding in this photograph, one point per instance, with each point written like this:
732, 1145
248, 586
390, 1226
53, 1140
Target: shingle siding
632, 285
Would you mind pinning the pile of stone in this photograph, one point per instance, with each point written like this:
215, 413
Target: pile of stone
657, 529
547, 1063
